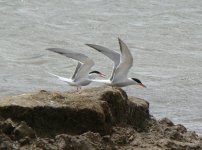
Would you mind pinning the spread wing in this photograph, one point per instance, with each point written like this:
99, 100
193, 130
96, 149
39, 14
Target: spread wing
113, 55
84, 65
84, 70
76, 70
76, 56
126, 62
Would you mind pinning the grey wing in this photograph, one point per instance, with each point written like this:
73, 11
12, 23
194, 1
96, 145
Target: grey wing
84, 70
113, 55
77, 56
76, 70
126, 62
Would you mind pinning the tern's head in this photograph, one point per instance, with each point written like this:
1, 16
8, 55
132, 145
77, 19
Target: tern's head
94, 74
137, 81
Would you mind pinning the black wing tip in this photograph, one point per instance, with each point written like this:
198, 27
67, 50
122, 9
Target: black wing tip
90, 45
50, 49
93, 46
120, 43
55, 50
119, 39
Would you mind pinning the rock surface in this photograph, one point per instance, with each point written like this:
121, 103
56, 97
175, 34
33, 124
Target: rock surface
99, 118
91, 110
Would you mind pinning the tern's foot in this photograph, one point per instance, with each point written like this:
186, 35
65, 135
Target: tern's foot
78, 89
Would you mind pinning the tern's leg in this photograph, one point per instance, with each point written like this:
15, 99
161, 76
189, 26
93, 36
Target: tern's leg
79, 89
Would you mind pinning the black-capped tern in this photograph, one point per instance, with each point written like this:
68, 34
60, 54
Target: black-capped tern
82, 75
122, 64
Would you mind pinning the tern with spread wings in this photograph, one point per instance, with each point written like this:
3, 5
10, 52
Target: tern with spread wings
122, 64
82, 75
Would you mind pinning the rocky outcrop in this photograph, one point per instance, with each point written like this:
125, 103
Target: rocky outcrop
93, 110
96, 118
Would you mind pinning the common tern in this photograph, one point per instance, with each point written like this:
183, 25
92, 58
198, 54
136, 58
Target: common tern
122, 64
82, 75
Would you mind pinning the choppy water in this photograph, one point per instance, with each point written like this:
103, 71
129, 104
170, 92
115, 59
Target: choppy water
165, 38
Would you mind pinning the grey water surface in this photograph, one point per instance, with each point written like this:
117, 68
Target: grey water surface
165, 38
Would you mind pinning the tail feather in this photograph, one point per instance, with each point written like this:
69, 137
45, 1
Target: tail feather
53, 74
61, 78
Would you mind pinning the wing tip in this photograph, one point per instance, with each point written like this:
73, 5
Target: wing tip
120, 43
51, 49
88, 44
93, 46
119, 38
48, 49
56, 50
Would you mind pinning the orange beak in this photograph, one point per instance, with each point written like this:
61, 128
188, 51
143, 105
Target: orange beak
142, 85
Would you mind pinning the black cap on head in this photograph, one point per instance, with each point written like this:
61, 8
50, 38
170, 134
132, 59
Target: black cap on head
137, 80
97, 72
